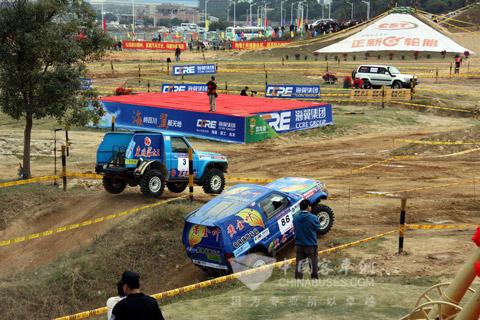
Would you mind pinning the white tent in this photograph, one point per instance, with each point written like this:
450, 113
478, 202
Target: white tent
396, 32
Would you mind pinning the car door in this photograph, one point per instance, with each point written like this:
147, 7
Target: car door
178, 159
279, 220
384, 77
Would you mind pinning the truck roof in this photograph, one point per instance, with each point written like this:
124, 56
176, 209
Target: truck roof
170, 134
373, 65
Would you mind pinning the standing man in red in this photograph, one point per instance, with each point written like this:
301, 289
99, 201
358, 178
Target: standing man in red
212, 94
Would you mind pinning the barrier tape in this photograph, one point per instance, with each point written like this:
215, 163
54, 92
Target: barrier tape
433, 227
436, 142
209, 283
84, 175
28, 181
432, 107
82, 224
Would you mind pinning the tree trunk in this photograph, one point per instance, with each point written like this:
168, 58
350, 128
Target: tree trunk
27, 137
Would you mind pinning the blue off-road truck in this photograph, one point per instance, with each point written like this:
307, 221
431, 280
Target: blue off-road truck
153, 160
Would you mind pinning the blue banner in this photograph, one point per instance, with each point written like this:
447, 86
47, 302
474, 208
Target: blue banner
207, 125
299, 119
170, 87
292, 91
193, 69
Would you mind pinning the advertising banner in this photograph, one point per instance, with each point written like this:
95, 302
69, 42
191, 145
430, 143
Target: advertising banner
299, 119
170, 87
153, 45
193, 69
376, 94
292, 91
254, 45
213, 126
257, 129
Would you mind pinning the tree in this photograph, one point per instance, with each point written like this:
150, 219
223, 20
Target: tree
44, 46
219, 25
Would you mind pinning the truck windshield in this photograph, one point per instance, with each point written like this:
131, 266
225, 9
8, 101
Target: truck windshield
393, 70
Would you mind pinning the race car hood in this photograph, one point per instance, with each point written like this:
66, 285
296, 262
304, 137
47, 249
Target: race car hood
306, 188
202, 155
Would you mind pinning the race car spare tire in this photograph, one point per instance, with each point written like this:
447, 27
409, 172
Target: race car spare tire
214, 181
152, 183
326, 216
114, 185
177, 187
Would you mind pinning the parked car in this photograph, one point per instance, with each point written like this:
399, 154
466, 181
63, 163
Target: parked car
153, 160
250, 218
377, 76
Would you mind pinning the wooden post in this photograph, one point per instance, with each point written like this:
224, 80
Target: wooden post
226, 87
64, 168
283, 61
67, 143
190, 173
168, 68
327, 66
383, 97
139, 72
451, 66
436, 75
402, 226
111, 65
113, 123
266, 77
148, 86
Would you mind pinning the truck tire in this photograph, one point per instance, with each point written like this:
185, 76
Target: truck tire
113, 185
177, 187
397, 85
214, 181
326, 216
152, 183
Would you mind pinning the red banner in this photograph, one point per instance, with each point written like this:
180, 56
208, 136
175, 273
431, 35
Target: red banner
253, 45
153, 45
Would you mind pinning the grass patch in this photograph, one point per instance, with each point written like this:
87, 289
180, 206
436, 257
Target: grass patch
149, 243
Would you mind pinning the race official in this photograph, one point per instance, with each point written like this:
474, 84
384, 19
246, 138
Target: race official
136, 306
306, 225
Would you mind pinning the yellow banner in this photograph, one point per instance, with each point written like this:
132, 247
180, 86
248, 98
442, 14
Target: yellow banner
385, 94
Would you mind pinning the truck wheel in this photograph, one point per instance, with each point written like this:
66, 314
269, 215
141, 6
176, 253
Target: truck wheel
113, 185
326, 216
177, 187
152, 183
397, 85
214, 181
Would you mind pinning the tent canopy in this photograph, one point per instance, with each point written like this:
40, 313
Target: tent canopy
396, 32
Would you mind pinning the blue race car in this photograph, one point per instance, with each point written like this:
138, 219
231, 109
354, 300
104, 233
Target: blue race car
251, 218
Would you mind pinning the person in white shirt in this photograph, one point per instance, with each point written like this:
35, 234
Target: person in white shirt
112, 301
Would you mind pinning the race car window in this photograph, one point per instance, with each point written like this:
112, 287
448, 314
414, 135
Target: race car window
364, 69
179, 145
273, 204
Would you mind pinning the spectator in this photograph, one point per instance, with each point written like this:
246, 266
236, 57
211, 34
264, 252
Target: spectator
458, 63
306, 225
136, 306
347, 82
358, 83
244, 92
212, 94
112, 301
178, 52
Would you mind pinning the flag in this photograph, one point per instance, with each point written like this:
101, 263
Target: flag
207, 23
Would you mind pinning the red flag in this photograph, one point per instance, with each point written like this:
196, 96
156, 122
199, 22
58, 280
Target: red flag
104, 25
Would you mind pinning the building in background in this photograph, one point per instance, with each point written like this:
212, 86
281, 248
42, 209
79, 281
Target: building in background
216, 8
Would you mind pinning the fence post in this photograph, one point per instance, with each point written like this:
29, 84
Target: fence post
113, 123
67, 142
64, 168
226, 87
190, 173
148, 86
451, 69
383, 97
436, 75
266, 77
111, 65
327, 66
139, 72
402, 226
168, 68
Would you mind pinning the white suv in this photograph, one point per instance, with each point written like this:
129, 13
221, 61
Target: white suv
378, 76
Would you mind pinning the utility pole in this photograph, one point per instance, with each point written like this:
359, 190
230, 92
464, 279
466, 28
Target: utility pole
323, 11
291, 15
351, 15
281, 13
133, 19
234, 13
329, 10
266, 21
368, 8
206, 16
251, 21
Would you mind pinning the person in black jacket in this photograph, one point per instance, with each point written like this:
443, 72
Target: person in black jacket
136, 306
212, 94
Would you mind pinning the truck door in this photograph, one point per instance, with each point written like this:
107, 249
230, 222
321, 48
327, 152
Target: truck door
178, 159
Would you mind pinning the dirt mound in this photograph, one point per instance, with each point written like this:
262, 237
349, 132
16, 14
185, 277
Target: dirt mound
471, 135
